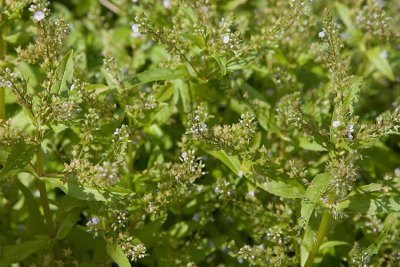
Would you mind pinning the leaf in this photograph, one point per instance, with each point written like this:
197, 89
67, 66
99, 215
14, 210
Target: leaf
280, 185
306, 245
35, 220
118, 256
313, 194
310, 145
16, 253
380, 62
390, 222
64, 73
112, 83
232, 162
148, 233
277, 184
160, 74
76, 190
72, 216
333, 243
21, 154
344, 13
371, 203
221, 64
185, 95
353, 93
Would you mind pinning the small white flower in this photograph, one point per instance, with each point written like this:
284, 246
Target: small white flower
38, 16
226, 38
350, 128
167, 4
72, 87
397, 172
135, 31
336, 124
251, 193
240, 174
196, 217
321, 34
184, 156
350, 137
383, 54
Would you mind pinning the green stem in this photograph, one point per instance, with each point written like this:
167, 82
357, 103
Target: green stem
130, 155
323, 227
3, 48
42, 187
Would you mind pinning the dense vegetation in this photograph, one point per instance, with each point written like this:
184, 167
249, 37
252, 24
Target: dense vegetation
199, 133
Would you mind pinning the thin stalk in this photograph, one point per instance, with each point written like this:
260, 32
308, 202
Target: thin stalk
3, 48
42, 187
323, 227
130, 154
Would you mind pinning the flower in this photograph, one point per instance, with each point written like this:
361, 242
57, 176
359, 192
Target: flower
240, 174
397, 172
226, 38
93, 221
383, 54
336, 124
321, 34
135, 30
167, 4
184, 156
39, 15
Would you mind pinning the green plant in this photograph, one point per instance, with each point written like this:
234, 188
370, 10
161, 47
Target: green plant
199, 133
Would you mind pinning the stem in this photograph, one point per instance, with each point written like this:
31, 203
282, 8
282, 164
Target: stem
130, 154
42, 187
3, 48
323, 227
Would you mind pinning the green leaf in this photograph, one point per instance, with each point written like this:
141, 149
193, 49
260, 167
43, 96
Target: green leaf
310, 145
390, 221
344, 13
371, 203
76, 190
35, 221
380, 63
160, 74
280, 185
353, 93
72, 216
21, 154
64, 73
232, 162
333, 243
306, 245
277, 184
118, 256
313, 194
185, 95
111, 81
221, 64
148, 233
16, 253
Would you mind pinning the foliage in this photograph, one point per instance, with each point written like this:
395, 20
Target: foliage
199, 133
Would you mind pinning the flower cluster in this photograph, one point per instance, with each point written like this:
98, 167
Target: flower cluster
190, 168
232, 138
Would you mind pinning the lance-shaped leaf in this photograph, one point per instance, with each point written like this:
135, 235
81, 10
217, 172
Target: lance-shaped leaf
371, 203
116, 253
313, 194
265, 178
380, 62
17, 253
21, 154
64, 74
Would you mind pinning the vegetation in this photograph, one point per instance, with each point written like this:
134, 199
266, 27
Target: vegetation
199, 133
